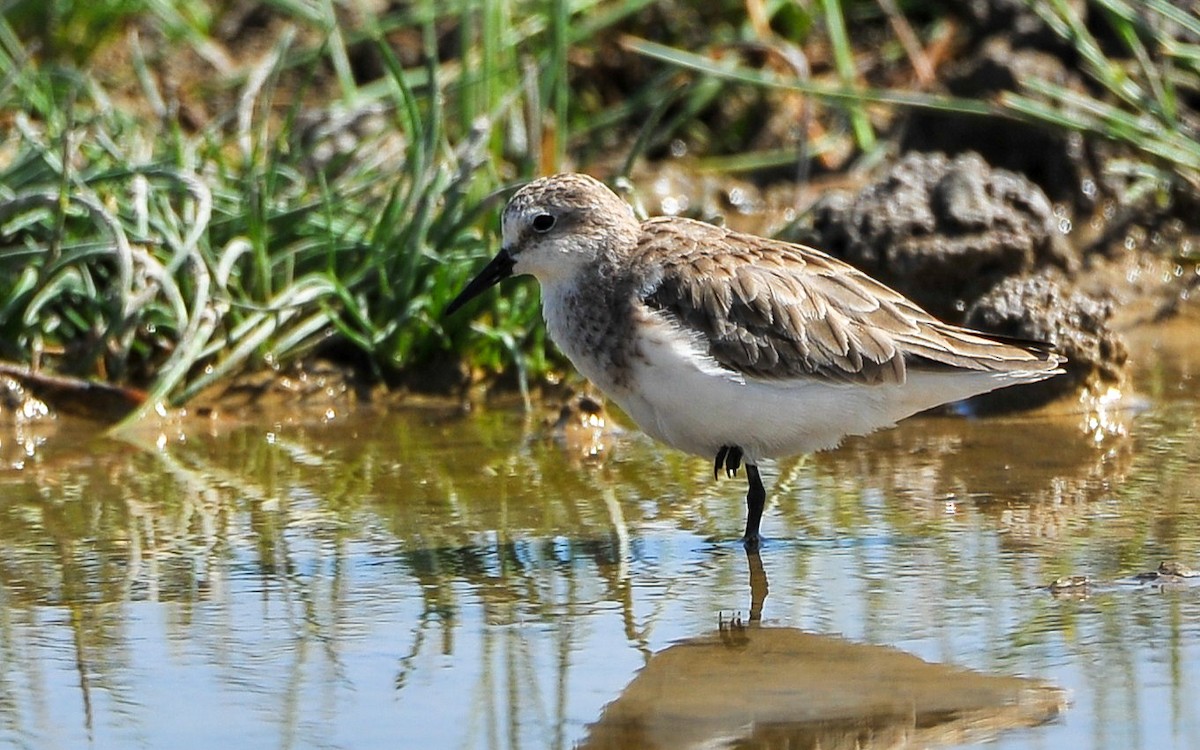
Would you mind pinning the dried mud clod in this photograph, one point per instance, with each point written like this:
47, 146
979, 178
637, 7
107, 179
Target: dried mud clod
1058, 162
1042, 308
944, 230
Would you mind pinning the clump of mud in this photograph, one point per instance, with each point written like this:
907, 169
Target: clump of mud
944, 230
1044, 308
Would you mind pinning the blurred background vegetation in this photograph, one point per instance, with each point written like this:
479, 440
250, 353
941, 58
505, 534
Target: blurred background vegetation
192, 189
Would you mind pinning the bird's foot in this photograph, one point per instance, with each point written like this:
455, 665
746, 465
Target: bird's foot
729, 457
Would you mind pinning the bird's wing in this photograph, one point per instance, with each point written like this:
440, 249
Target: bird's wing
771, 309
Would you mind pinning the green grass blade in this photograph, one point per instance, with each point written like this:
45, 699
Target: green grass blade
843, 56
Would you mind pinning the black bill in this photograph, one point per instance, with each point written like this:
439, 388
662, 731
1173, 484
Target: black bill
497, 270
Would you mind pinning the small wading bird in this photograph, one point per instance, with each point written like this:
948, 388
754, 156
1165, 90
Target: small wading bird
732, 346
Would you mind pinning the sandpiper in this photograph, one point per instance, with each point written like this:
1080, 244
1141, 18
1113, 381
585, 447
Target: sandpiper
732, 346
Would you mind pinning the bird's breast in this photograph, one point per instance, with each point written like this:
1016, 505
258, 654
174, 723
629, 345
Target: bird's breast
597, 332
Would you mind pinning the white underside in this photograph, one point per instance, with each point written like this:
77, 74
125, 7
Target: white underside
683, 398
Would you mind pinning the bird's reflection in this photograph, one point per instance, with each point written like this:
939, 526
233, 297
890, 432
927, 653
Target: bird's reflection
748, 685
758, 584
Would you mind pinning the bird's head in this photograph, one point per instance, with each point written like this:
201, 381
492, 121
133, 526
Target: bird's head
553, 228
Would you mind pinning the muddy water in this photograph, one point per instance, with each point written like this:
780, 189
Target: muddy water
417, 579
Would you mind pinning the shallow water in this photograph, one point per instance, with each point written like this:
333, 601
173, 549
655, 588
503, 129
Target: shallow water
417, 579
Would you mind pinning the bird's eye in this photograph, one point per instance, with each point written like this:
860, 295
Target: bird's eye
543, 223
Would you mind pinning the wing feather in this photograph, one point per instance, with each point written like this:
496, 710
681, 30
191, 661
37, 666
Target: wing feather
775, 310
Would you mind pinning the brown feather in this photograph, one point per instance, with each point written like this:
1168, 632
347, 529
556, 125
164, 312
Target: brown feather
771, 309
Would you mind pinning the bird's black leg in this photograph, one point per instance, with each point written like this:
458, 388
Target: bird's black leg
756, 499
721, 454
729, 457
733, 461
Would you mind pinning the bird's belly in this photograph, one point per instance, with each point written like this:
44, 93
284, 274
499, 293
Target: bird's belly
685, 399
679, 395
676, 393
699, 411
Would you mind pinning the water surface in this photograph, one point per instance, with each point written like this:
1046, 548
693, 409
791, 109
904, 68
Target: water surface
421, 579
